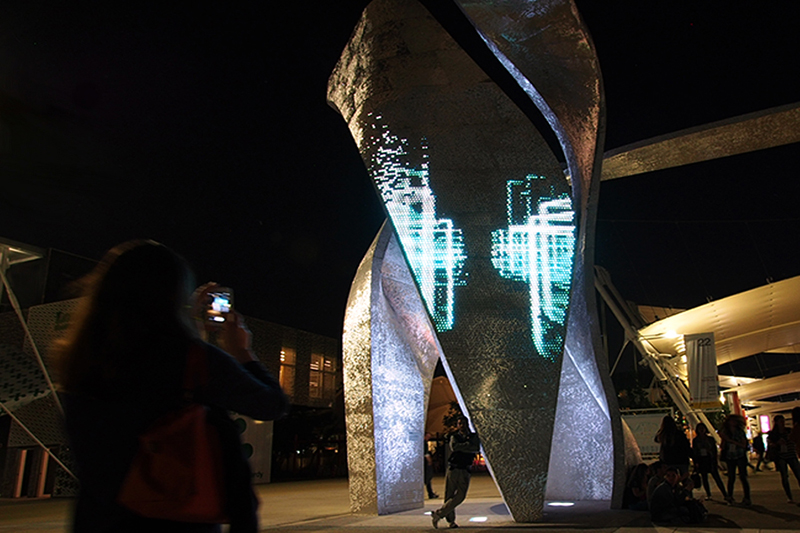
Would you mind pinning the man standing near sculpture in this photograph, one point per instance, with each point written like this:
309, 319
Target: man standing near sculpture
463, 447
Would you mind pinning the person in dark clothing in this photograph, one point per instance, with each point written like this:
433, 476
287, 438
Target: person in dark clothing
664, 500
427, 459
121, 366
785, 453
675, 450
463, 447
760, 449
657, 472
734, 447
704, 454
635, 496
672, 501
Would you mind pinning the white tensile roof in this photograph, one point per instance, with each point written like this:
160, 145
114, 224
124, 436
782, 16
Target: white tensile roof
761, 320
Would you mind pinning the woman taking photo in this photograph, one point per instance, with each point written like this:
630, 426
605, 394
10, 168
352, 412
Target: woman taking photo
122, 366
734, 451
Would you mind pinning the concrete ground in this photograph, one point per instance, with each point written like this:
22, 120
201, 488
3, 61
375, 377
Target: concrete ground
323, 506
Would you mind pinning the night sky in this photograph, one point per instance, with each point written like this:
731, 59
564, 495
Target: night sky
206, 128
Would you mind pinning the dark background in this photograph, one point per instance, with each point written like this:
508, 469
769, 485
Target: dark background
206, 128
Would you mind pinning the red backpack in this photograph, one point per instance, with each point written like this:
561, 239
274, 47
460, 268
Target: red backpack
177, 472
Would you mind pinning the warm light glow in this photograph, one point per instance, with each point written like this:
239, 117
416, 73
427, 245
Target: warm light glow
671, 334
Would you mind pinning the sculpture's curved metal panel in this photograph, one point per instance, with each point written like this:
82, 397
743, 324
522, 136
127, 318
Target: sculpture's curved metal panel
390, 353
484, 216
545, 46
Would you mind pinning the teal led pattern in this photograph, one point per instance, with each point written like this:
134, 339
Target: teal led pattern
537, 248
433, 247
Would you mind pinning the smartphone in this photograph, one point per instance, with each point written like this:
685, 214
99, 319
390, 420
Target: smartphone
219, 305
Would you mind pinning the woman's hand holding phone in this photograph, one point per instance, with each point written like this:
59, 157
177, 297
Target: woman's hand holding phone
236, 339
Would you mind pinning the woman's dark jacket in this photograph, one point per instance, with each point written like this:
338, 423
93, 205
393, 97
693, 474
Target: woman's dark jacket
104, 429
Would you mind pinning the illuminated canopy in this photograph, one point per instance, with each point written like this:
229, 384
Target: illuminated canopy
756, 321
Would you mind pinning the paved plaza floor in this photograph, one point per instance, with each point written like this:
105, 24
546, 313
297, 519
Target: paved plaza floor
323, 506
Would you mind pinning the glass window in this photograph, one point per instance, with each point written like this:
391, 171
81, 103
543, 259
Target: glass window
322, 380
286, 378
317, 361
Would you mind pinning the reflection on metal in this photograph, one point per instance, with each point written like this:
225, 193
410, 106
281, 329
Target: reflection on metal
390, 353
402, 80
738, 135
546, 47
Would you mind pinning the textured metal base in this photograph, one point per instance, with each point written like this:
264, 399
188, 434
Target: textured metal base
390, 353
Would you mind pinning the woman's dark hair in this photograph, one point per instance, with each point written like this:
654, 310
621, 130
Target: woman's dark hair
637, 475
668, 431
133, 309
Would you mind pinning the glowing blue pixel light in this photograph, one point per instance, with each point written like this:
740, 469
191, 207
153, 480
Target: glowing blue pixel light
537, 248
433, 247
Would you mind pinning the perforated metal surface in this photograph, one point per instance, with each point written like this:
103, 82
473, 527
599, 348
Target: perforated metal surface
390, 353
21, 380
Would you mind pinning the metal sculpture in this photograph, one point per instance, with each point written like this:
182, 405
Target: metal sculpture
497, 240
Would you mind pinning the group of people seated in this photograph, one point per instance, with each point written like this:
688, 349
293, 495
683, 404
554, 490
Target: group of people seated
664, 488
666, 492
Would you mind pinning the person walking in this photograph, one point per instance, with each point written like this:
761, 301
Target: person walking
784, 452
704, 454
124, 364
675, 450
734, 449
760, 449
427, 462
463, 447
